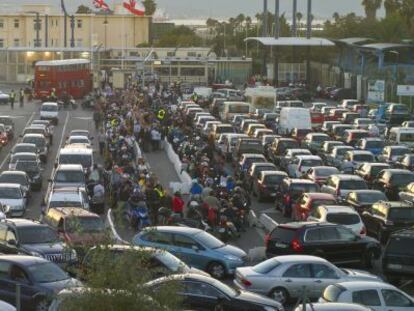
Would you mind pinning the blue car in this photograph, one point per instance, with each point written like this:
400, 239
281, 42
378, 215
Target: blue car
373, 144
195, 247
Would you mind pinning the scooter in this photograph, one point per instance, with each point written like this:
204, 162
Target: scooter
140, 214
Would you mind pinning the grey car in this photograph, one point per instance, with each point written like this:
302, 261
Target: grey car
285, 277
332, 307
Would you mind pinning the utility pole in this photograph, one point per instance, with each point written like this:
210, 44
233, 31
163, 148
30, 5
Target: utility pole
65, 26
294, 11
275, 51
72, 31
309, 21
264, 31
46, 30
37, 44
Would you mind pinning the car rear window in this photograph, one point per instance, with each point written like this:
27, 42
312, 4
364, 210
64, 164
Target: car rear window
283, 234
363, 158
311, 163
343, 218
398, 245
402, 179
332, 293
401, 214
353, 184
266, 266
304, 188
274, 179
375, 144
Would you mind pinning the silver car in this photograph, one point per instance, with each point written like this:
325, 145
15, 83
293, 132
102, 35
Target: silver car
13, 196
285, 277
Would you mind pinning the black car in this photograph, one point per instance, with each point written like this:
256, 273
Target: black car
398, 259
39, 281
333, 242
385, 217
205, 293
392, 181
361, 200
24, 236
406, 162
278, 148
34, 171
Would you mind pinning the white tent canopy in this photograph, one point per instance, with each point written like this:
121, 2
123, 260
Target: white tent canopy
291, 41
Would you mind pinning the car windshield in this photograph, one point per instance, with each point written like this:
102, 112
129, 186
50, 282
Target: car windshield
79, 141
402, 179
375, 170
401, 214
38, 141
375, 144
311, 163
24, 157
27, 166
371, 197
399, 151
82, 159
208, 240
266, 266
363, 157
47, 272
70, 177
304, 188
343, 218
172, 262
353, 184
49, 108
398, 245
407, 137
24, 149
66, 203
10, 193
319, 138
84, 224
13, 179
342, 151
37, 235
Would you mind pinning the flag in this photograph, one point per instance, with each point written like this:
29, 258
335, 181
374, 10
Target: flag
134, 7
100, 4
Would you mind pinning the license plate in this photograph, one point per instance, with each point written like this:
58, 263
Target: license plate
394, 266
281, 245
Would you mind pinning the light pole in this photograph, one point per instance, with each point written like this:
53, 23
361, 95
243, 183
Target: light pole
105, 23
395, 73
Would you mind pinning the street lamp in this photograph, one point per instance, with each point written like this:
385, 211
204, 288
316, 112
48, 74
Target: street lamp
105, 23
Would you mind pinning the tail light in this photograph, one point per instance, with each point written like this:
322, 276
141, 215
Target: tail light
296, 245
267, 239
287, 199
245, 282
363, 231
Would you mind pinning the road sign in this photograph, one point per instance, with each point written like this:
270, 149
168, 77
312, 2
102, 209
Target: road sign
376, 91
405, 90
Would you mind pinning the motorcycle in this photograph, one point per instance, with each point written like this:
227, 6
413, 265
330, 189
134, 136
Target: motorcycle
138, 216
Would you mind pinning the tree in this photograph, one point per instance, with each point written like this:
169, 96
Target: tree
392, 7
299, 17
150, 7
83, 9
180, 36
371, 7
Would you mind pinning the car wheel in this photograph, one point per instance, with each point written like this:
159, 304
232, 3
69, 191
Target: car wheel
42, 305
216, 270
279, 294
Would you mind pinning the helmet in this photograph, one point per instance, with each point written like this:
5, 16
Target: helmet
237, 189
193, 204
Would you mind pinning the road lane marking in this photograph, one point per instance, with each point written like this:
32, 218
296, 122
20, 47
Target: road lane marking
63, 132
27, 123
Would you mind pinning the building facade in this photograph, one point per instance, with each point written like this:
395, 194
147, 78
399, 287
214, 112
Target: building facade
44, 26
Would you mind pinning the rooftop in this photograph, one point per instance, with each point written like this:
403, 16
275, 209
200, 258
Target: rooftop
292, 41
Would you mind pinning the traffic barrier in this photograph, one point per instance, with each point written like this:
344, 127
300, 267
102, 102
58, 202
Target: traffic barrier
267, 222
185, 179
114, 232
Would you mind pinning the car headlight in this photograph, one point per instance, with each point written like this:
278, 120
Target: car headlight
37, 254
233, 258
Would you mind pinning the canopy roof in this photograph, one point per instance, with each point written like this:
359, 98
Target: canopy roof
291, 41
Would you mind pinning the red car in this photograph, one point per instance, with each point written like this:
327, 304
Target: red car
317, 119
308, 201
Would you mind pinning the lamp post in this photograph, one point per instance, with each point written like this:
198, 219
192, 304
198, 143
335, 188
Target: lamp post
105, 23
395, 71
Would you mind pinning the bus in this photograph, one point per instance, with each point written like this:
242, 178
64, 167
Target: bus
72, 76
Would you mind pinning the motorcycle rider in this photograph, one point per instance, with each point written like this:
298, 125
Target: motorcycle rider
178, 204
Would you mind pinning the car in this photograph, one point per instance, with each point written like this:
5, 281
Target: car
34, 171
79, 140
314, 141
342, 93
320, 174
247, 159
352, 136
332, 306
398, 259
339, 214
329, 145
327, 126
333, 242
66, 197
206, 293
362, 200
267, 184
50, 111
160, 262
39, 280
279, 147
227, 144
372, 144
29, 237
36, 129
4, 138
379, 296
341, 184
405, 162
391, 154
290, 191
308, 202
246, 145
80, 133
369, 171
68, 175
392, 181
363, 123
350, 117
337, 155
407, 194
338, 131
4, 98
283, 278
301, 164
260, 132
354, 158
18, 148
82, 156
8, 124
291, 154
16, 177
22, 156
300, 134
41, 143
255, 170
196, 247
385, 217
349, 103
13, 195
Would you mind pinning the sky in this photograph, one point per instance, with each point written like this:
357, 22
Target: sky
322, 9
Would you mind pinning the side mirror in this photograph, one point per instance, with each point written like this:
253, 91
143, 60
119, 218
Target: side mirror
12, 242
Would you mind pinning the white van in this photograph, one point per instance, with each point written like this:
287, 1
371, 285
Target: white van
50, 111
82, 156
291, 118
402, 136
230, 109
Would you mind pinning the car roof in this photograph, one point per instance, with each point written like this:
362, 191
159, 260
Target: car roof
337, 306
357, 285
377, 164
366, 191
78, 136
75, 151
301, 181
69, 167
266, 173
346, 177
301, 224
395, 204
332, 209
50, 103
19, 154
25, 145
290, 150
187, 230
23, 260
22, 222
324, 167
13, 173
9, 185
298, 258
372, 139
253, 155
33, 135
74, 211
360, 152
308, 157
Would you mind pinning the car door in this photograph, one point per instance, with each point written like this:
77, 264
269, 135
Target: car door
323, 275
189, 251
200, 295
370, 298
350, 242
329, 244
158, 239
17, 276
396, 301
296, 278
7, 288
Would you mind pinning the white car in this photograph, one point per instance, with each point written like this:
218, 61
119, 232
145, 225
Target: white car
79, 140
4, 98
302, 163
50, 111
338, 214
376, 295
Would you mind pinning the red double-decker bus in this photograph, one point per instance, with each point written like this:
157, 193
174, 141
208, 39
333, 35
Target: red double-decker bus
72, 76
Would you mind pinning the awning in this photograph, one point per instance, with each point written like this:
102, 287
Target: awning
291, 41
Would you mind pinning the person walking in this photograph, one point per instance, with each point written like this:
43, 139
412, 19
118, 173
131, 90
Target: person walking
21, 97
101, 140
12, 99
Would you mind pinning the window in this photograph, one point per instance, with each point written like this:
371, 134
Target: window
16, 23
323, 272
313, 235
191, 54
170, 54
18, 275
79, 23
158, 237
16, 42
1, 43
367, 297
1, 23
201, 289
329, 233
183, 241
298, 271
393, 298
10, 235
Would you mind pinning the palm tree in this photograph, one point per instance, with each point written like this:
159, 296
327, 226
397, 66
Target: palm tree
392, 7
150, 7
407, 11
371, 7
